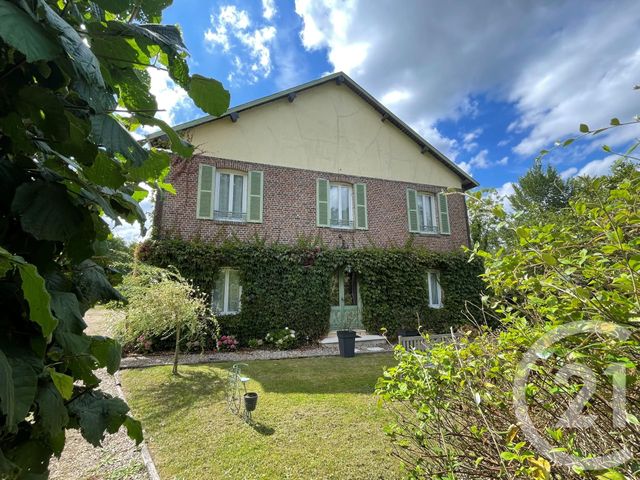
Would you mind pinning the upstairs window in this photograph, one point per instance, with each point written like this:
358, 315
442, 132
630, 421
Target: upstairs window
341, 206
231, 196
225, 298
427, 216
435, 291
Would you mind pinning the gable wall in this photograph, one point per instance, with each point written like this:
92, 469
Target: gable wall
328, 128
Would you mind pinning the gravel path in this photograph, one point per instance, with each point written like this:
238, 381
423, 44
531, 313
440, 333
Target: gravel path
137, 361
118, 458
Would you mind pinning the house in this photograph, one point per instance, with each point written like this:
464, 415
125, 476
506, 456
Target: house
322, 160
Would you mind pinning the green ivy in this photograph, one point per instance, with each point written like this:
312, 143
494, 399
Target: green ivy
289, 286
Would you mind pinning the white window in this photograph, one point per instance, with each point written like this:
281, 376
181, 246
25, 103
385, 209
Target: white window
341, 206
435, 291
231, 196
427, 214
225, 298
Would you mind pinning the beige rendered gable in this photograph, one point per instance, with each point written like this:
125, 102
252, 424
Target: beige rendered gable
328, 128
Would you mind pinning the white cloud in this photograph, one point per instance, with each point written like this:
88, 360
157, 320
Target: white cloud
482, 161
268, 9
233, 30
395, 96
469, 140
559, 64
504, 192
569, 172
597, 168
503, 161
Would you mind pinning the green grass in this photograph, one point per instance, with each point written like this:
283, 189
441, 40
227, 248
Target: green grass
317, 418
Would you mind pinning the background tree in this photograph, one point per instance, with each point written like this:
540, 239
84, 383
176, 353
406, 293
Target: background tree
488, 223
74, 83
540, 193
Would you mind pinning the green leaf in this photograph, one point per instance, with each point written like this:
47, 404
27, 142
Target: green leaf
64, 383
209, 95
108, 132
155, 166
584, 128
25, 382
114, 6
24, 34
107, 351
615, 122
36, 294
46, 211
568, 142
84, 61
634, 262
7, 394
105, 171
178, 145
93, 284
133, 90
96, 413
549, 259
51, 409
134, 429
611, 475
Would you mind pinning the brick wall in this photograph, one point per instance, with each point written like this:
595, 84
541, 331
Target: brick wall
290, 210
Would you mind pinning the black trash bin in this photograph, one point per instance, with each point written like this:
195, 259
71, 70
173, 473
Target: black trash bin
347, 342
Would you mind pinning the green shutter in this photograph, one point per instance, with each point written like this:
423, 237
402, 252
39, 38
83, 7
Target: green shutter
322, 202
444, 214
254, 208
206, 179
361, 206
412, 210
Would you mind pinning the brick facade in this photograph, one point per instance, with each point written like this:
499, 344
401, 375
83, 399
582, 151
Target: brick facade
289, 210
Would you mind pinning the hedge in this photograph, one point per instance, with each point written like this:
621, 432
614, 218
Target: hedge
289, 286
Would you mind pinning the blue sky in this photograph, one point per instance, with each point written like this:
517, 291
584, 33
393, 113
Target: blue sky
488, 82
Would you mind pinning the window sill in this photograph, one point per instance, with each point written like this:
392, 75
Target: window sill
436, 306
226, 314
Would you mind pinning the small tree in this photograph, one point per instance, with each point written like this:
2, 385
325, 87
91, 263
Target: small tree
162, 304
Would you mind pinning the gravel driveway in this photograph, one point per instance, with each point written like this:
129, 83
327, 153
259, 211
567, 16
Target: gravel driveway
118, 458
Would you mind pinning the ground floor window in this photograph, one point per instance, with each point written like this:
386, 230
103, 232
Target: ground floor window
225, 298
435, 291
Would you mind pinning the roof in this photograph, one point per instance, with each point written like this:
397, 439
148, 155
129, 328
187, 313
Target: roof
341, 79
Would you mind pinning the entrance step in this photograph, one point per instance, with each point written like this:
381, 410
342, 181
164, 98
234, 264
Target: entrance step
363, 343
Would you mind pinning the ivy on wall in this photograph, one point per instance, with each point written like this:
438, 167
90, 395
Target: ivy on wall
289, 286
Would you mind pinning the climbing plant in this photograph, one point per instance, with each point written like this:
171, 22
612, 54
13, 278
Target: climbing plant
74, 84
290, 286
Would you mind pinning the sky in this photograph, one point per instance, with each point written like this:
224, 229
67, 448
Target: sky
488, 82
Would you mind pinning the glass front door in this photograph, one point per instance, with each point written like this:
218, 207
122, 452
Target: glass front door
345, 302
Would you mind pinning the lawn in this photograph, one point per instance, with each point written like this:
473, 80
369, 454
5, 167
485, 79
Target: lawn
317, 418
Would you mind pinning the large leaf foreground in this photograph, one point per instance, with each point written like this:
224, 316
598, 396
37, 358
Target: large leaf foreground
74, 84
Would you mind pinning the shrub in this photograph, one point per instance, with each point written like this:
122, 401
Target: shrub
162, 305
255, 343
283, 339
454, 404
227, 343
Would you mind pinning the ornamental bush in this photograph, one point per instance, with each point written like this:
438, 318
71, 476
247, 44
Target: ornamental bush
290, 286
284, 339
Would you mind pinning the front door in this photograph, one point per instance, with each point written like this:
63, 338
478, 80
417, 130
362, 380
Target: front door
345, 302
